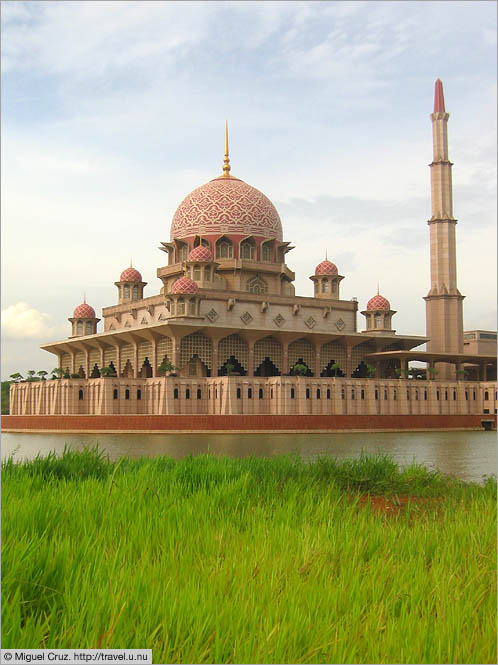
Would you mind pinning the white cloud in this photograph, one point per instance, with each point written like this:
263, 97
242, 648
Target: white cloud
22, 321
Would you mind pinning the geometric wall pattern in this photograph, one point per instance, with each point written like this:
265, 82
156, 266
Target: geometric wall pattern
333, 351
233, 345
302, 348
195, 344
268, 347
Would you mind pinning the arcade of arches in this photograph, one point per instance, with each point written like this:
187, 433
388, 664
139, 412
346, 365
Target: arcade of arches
197, 354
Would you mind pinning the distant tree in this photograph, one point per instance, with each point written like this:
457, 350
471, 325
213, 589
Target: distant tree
166, 367
371, 371
299, 369
74, 375
5, 396
17, 377
335, 368
433, 371
31, 375
229, 367
42, 374
57, 373
105, 371
66, 375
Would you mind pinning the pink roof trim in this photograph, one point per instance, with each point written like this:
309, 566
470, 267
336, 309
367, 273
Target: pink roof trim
439, 97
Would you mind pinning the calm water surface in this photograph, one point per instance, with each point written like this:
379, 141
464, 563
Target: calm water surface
467, 455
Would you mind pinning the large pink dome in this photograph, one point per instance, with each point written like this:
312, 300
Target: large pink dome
326, 268
130, 275
226, 205
378, 302
184, 285
84, 311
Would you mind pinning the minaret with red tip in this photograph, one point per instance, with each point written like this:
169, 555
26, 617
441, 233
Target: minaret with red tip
444, 311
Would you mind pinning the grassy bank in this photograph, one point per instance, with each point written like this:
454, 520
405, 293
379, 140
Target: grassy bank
248, 560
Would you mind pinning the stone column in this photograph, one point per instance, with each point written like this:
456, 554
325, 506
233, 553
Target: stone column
214, 357
250, 366
348, 369
154, 356
135, 359
285, 357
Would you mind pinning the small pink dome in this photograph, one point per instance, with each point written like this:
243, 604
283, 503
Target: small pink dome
184, 285
200, 253
378, 302
84, 311
326, 268
130, 275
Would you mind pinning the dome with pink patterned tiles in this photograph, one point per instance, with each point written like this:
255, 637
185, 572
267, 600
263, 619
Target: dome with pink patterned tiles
184, 285
130, 275
226, 206
326, 268
201, 254
84, 311
378, 302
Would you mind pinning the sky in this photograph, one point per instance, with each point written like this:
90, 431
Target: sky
113, 111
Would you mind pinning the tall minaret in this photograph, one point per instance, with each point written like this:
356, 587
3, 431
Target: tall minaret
444, 312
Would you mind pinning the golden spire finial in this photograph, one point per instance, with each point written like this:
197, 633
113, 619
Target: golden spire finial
378, 289
84, 297
326, 257
131, 262
226, 161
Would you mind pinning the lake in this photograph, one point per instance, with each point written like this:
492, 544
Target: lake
467, 455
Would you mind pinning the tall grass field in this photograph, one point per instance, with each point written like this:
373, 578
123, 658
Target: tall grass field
217, 560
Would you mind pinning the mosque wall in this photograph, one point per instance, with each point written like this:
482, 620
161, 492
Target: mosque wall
252, 395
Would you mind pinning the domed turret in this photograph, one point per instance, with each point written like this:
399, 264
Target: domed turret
83, 320
130, 285
326, 268
379, 315
130, 275
184, 299
184, 285
200, 254
378, 302
326, 280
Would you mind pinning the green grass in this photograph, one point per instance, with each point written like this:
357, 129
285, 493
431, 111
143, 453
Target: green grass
247, 560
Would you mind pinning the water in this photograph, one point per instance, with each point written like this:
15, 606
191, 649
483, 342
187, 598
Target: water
467, 455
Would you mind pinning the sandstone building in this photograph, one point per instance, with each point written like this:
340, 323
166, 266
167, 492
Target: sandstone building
226, 332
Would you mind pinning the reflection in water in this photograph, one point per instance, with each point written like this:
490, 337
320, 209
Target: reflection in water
468, 455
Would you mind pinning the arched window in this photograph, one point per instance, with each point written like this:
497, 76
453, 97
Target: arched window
80, 394
207, 273
197, 273
224, 249
267, 252
378, 321
239, 393
180, 306
182, 252
247, 249
257, 285
175, 393
199, 393
127, 394
139, 394
126, 291
325, 285
386, 321
88, 328
135, 292
334, 286
79, 328
191, 307
115, 393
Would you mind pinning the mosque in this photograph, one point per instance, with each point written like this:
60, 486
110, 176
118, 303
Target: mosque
226, 333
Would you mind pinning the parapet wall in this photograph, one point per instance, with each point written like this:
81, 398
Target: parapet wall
236, 395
